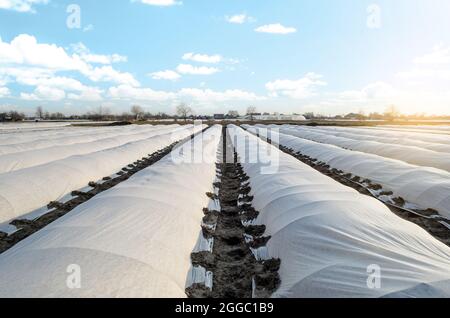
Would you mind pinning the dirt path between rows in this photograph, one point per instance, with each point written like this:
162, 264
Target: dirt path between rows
236, 271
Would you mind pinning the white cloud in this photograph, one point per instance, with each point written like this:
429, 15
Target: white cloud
239, 18
194, 70
24, 50
208, 95
88, 57
4, 91
133, 93
431, 70
202, 58
276, 28
376, 91
87, 94
88, 28
21, 5
108, 74
440, 55
45, 93
165, 75
423, 88
47, 81
24, 75
298, 89
65, 83
160, 3
125, 92
104, 59
377, 96
425, 75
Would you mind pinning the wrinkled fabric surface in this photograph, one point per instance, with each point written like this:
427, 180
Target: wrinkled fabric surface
134, 240
423, 186
26, 190
329, 237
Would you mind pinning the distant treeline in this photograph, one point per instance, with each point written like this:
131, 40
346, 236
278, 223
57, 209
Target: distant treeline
183, 112
15, 116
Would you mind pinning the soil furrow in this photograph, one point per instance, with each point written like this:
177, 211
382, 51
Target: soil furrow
235, 269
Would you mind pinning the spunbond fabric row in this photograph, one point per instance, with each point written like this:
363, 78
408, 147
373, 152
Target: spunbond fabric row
35, 157
393, 140
395, 133
425, 187
410, 154
26, 190
70, 138
20, 136
329, 237
134, 240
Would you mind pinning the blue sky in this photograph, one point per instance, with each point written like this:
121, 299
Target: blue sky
326, 56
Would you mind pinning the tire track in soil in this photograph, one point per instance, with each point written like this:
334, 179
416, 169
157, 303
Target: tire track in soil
426, 219
27, 228
235, 269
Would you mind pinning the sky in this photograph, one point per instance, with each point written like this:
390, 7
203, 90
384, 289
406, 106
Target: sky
287, 56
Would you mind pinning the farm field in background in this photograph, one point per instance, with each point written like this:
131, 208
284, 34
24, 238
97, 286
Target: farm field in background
224, 210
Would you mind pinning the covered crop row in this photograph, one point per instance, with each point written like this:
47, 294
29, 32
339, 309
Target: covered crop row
72, 137
330, 238
26, 190
134, 240
31, 126
409, 154
415, 127
394, 133
425, 187
394, 140
36, 157
10, 138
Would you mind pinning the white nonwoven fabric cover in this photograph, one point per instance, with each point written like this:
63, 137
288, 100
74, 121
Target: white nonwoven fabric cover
394, 140
425, 187
20, 136
416, 127
32, 126
70, 138
21, 160
445, 130
410, 154
26, 190
395, 133
134, 240
329, 237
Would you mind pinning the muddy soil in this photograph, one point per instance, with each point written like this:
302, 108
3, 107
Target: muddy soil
235, 268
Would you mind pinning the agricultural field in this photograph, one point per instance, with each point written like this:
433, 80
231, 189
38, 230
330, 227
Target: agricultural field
224, 211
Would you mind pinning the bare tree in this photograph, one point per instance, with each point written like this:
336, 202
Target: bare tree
101, 113
40, 112
137, 111
233, 114
251, 111
184, 111
392, 112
